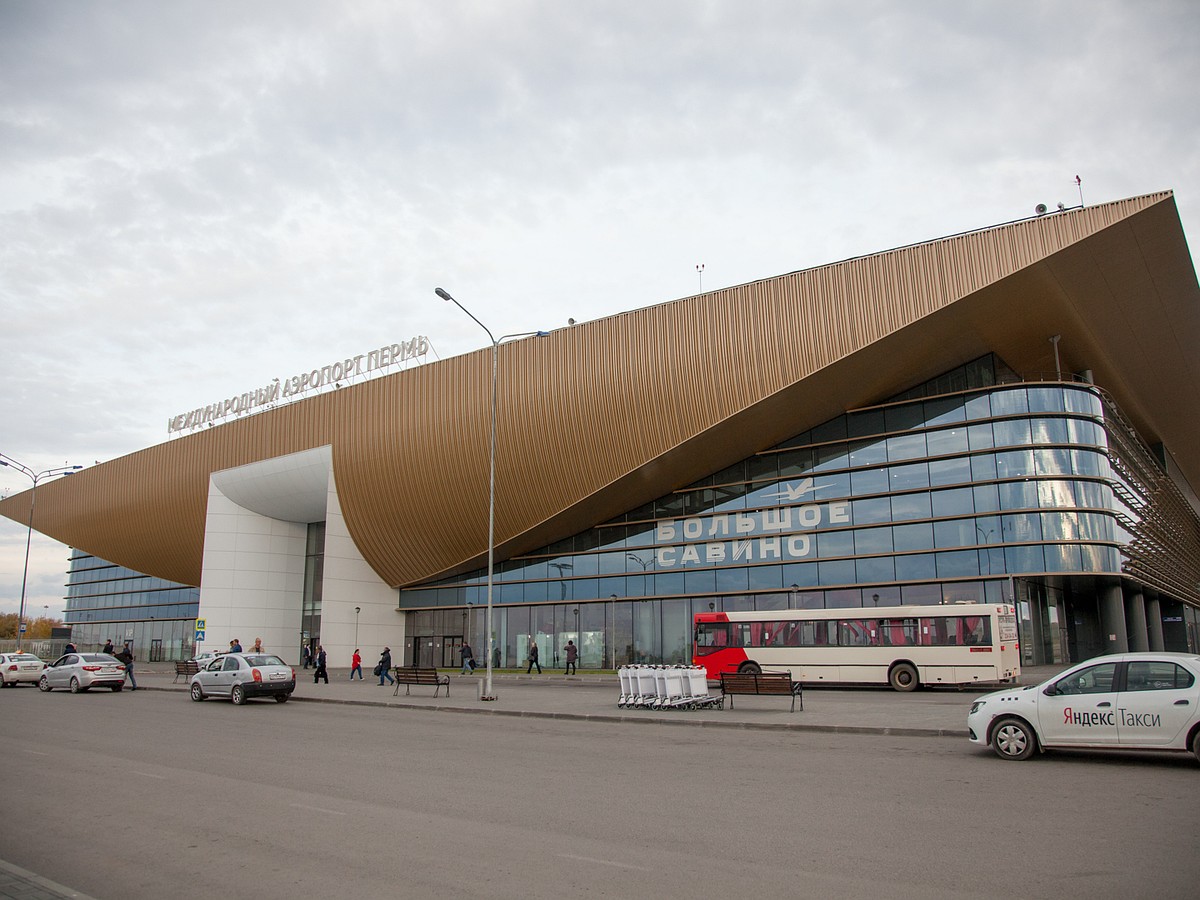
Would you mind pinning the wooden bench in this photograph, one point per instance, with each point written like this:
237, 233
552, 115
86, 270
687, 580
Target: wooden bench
185, 667
762, 683
410, 675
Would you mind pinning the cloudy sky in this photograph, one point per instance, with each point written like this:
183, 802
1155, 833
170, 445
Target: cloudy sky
198, 197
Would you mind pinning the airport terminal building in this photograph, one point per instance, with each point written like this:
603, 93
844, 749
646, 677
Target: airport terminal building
1010, 414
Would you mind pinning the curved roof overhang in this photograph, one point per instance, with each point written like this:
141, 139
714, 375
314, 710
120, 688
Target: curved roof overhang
602, 417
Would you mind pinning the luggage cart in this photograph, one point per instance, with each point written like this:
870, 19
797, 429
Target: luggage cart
676, 689
698, 690
647, 692
628, 681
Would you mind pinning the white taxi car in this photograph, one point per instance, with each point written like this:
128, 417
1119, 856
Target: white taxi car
1126, 701
20, 667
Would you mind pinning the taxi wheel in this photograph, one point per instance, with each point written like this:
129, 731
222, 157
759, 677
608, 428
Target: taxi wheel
1196, 744
903, 677
282, 698
238, 695
197, 692
44, 684
1013, 739
76, 687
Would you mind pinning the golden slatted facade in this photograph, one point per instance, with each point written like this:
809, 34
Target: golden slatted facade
601, 417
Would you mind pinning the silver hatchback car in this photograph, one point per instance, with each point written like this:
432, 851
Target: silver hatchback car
80, 671
240, 676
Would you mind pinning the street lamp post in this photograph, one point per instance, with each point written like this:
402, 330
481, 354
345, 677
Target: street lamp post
357, 610
35, 477
488, 693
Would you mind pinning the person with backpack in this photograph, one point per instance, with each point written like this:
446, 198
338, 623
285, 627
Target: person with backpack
125, 655
384, 665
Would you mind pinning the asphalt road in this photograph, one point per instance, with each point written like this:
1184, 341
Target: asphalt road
149, 795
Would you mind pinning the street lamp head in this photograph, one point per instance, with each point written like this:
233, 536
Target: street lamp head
442, 293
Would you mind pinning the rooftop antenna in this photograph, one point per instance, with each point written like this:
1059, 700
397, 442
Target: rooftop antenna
1079, 184
700, 272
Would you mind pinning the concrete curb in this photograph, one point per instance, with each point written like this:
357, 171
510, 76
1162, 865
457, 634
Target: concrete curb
18, 884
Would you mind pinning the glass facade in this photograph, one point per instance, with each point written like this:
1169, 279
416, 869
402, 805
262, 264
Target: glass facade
314, 575
109, 602
933, 498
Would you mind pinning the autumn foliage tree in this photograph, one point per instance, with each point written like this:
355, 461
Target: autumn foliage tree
35, 628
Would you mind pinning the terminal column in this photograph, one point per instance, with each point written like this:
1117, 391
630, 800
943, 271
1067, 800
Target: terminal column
1135, 619
1112, 620
1154, 615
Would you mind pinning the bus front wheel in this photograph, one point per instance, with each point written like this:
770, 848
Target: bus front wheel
749, 668
903, 677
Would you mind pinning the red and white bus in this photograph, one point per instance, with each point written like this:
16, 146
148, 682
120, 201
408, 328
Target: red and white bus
904, 646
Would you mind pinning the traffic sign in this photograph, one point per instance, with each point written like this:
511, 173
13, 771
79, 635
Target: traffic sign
24, 625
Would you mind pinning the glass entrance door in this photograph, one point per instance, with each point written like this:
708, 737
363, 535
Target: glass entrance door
451, 651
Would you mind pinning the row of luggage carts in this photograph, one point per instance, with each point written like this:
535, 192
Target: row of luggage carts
665, 687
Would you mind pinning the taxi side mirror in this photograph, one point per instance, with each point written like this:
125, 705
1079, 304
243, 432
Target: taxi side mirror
1051, 690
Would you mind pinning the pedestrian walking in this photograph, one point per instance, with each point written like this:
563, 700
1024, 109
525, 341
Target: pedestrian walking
468, 659
108, 647
356, 665
533, 657
572, 655
320, 672
384, 665
306, 656
125, 655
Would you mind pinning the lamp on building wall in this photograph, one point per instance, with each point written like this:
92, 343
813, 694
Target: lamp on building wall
35, 477
491, 564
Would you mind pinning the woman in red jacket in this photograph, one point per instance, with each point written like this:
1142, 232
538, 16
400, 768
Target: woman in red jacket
356, 665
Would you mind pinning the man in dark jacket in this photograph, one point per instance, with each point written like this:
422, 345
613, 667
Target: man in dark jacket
125, 655
320, 672
385, 665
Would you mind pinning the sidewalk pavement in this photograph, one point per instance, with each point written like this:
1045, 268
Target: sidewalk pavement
936, 712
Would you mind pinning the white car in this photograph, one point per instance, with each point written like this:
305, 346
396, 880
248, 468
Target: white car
204, 657
1127, 701
18, 667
